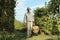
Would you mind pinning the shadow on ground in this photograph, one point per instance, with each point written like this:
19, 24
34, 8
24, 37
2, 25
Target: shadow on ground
20, 34
49, 39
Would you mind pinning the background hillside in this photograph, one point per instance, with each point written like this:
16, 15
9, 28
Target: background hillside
18, 25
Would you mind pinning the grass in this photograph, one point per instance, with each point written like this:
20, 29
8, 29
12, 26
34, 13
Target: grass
18, 25
22, 36
6, 36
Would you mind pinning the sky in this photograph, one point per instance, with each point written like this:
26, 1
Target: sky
21, 6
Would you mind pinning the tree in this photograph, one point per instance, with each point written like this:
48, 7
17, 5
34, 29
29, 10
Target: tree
48, 17
54, 9
7, 15
42, 19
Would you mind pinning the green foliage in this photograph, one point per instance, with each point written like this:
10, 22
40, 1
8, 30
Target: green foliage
7, 19
42, 19
7, 15
47, 17
5, 36
54, 6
